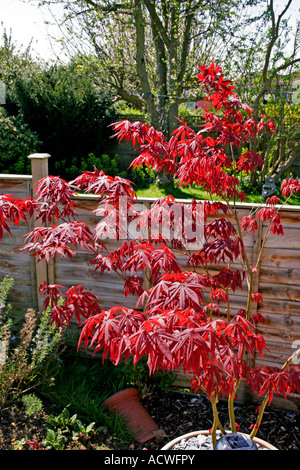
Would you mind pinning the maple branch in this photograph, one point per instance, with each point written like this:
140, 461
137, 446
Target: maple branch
227, 298
291, 359
231, 410
250, 283
268, 232
216, 422
266, 398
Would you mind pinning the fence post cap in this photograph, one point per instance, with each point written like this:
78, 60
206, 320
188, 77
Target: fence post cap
41, 156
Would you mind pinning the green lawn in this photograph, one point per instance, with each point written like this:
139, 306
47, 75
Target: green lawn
179, 193
154, 191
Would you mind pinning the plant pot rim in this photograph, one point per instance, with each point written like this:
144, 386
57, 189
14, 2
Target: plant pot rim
170, 444
121, 393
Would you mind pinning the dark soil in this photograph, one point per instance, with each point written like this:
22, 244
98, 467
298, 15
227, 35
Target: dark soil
176, 413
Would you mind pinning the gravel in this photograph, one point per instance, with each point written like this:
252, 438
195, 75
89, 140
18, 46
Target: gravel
199, 442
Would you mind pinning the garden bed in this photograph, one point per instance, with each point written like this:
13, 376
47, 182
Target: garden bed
175, 412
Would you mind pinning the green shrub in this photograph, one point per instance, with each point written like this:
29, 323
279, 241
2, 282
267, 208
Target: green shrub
70, 115
142, 177
17, 141
26, 357
107, 163
32, 403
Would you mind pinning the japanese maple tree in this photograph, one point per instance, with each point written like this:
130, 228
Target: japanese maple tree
183, 320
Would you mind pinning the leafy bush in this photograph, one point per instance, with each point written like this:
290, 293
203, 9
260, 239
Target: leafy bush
142, 177
104, 162
17, 141
25, 357
65, 427
32, 403
70, 115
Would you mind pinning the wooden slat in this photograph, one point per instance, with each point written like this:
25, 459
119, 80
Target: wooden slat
290, 239
15, 263
285, 276
281, 258
278, 279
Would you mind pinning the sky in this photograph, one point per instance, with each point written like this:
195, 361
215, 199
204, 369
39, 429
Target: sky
27, 23
26, 20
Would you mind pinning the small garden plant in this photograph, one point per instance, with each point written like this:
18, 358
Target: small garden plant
26, 357
183, 319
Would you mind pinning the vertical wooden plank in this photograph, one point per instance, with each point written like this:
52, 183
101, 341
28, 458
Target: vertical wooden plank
39, 170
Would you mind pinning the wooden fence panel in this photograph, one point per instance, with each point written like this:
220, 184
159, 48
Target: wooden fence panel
279, 285
278, 279
15, 263
69, 272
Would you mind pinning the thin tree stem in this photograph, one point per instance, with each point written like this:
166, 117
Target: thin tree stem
266, 398
231, 412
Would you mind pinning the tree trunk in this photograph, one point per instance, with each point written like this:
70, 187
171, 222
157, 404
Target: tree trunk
293, 155
141, 65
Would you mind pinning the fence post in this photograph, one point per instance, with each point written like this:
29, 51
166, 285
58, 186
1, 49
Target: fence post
43, 270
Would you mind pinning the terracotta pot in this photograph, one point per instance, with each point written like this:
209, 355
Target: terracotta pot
126, 403
170, 444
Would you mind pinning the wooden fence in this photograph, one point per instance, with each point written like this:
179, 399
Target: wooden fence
278, 278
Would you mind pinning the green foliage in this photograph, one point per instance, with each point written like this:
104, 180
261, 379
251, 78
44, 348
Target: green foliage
107, 163
64, 427
17, 141
253, 192
69, 114
138, 376
5, 288
15, 62
55, 440
142, 177
126, 109
32, 403
26, 356
19, 444
82, 385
